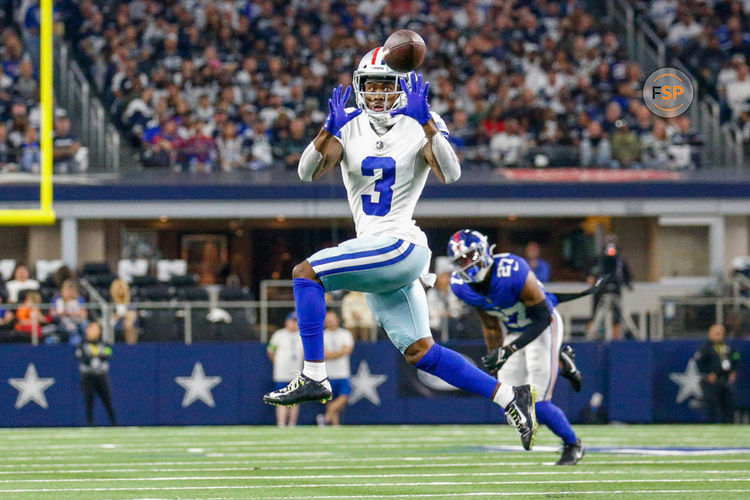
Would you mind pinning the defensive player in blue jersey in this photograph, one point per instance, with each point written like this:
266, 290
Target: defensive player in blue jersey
386, 147
504, 290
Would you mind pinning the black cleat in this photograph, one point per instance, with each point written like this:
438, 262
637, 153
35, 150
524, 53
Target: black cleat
299, 390
568, 368
521, 414
571, 454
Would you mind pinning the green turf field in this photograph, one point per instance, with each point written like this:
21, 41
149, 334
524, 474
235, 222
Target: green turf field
371, 462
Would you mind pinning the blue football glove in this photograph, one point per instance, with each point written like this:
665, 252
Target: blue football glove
417, 106
337, 115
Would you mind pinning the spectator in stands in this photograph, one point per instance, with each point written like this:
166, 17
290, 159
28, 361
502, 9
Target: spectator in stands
718, 364
357, 316
738, 91
68, 153
6, 322
595, 148
229, 147
198, 152
288, 149
536, 263
19, 124
125, 315
21, 281
685, 29
26, 87
93, 356
507, 147
285, 352
626, 146
339, 344
29, 317
8, 161
197, 59
70, 313
656, 147
31, 156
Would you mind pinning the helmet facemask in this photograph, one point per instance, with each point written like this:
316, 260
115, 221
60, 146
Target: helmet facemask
471, 256
397, 96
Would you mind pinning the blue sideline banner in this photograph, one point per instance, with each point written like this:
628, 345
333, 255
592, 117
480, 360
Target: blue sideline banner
223, 383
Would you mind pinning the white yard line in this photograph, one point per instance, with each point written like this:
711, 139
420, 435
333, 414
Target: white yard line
365, 485
550, 472
408, 477
429, 462
515, 493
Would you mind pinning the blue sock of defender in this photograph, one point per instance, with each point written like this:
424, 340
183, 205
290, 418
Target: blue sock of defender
311, 312
454, 369
554, 418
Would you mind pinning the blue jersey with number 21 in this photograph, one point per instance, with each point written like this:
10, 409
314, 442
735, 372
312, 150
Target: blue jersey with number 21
503, 300
384, 176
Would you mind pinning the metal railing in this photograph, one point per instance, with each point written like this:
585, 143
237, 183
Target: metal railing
87, 114
691, 317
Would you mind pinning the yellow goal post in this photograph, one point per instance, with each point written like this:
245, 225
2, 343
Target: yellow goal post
44, 214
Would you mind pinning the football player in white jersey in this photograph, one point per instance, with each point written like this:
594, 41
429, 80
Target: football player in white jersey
386, 147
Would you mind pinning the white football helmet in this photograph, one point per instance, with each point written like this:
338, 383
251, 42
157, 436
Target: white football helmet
372, 66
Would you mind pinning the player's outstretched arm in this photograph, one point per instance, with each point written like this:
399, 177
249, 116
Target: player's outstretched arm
438, 152
325, 151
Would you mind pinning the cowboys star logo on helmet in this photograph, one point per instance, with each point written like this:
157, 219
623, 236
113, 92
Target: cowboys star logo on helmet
372, 67
470, 255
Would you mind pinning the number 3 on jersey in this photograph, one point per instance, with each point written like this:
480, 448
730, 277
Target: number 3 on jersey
383, 186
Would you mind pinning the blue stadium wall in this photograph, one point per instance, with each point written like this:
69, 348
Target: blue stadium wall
641, 383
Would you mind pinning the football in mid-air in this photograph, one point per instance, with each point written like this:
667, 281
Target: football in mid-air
404, 50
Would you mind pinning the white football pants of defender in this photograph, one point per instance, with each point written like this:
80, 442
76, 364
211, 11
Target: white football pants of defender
537, 363
387, 269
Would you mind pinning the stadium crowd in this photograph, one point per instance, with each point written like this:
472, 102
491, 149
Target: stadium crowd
205, 85
712, 39
19, 101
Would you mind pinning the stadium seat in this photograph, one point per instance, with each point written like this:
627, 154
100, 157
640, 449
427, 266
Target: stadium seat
101, 280
45, 268
128, 268
187, 280
166, 268
144, 281
192, 293
158, 293
95, 268
7, 266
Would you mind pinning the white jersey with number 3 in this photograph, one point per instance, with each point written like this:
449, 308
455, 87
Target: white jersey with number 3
384, 176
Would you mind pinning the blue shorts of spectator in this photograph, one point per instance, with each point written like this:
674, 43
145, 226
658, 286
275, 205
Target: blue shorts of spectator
341, 387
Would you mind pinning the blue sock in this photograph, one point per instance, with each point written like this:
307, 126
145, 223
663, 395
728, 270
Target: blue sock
311, 312
554, 418
454, 369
